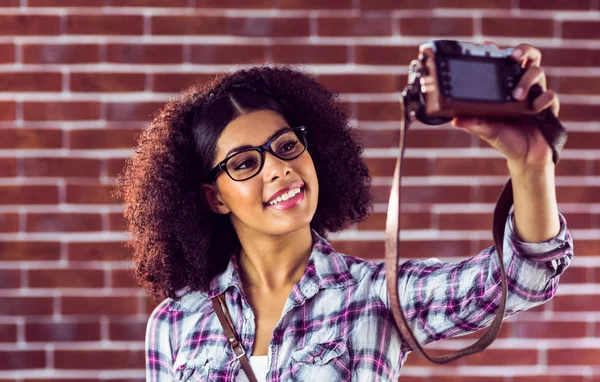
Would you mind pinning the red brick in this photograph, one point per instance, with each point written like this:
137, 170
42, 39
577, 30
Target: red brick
549, 329
23, 194
26, 138
580, 220
576, 303
62, 331
122, 278
60, 53
408, 249
175, 82
580, 29
192, 25
29, 251
573, 356
574, 167
228, 54
102, 138
115, 166
97, 251
66, 278
26, 306
502, 357
29, 25
385, 54
470, 166
7, 110
564, 57
142, 111
466, 221
22, 359
361, 83
61, 111
98, 359
90, 194
144, 54
62, 167
8, 333
441, 138
410, 166
268, 26
378, 111
375, 25
426, 195
127, 330
381, 5
582, 140
107, 82
309, 54
9, 222
65, 3
105, 24
483, 4
7, 53
31, 81
557, 4
578, 194
408, 220
588, 248
240, 4
8, 167
518, 27
314, 4
116, 222
578, 85
107, 305
436, 26
550, 378
148, 3
10, 278
577, 275
10, 3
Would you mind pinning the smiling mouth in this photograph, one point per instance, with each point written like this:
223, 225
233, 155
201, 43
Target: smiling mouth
288, 199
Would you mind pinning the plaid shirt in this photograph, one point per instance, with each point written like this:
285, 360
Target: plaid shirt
336, 323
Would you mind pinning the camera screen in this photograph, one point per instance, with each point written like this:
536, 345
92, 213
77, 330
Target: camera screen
474, 80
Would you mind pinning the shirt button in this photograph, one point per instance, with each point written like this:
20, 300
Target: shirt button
317, 359
248, 315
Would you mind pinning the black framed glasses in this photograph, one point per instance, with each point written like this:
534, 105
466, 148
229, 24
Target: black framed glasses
245, 164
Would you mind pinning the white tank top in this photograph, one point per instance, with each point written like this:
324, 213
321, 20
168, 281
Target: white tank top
260, 367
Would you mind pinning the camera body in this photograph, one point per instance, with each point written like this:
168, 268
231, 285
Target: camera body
467, 79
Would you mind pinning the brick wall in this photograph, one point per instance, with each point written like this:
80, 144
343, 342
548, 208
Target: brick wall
78, 78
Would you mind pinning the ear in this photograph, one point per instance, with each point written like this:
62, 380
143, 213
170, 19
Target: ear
213, 198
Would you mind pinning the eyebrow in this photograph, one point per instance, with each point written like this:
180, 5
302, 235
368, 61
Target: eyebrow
244, 147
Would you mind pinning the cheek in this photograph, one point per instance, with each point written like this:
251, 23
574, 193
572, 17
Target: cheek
243, 193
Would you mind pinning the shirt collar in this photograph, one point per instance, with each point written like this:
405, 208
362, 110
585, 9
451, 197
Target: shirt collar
325, 269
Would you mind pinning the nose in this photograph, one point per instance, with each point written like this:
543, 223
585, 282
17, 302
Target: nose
274, 167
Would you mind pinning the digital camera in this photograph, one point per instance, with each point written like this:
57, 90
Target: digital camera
466, 79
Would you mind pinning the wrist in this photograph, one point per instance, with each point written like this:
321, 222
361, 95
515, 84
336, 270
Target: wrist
518, 169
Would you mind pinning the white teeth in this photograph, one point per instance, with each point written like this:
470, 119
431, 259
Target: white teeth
288, 195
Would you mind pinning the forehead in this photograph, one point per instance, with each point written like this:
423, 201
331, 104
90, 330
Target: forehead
252, 129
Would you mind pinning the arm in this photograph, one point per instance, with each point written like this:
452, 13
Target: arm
442, 300
159, 350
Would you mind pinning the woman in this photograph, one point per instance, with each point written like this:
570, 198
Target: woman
232, 190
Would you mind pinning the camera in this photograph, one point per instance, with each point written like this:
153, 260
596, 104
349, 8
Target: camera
465, 79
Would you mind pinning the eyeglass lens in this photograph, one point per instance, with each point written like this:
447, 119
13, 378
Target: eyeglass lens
246, 164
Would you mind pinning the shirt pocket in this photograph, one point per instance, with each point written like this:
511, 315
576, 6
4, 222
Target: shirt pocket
193, 371
329, 361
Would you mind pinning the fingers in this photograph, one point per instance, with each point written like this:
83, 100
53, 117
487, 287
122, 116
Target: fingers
532, 76
548, 99
527, 55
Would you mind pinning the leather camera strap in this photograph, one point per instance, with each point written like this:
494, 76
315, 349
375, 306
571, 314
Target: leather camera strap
232, 337
555, 134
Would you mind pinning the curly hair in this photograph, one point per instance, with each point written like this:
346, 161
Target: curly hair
176, 240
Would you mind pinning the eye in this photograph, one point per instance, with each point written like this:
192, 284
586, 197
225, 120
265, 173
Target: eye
245, 164
288, 146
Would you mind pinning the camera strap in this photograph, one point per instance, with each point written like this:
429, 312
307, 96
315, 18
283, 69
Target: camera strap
556, 136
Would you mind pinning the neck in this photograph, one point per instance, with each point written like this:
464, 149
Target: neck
274, 263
